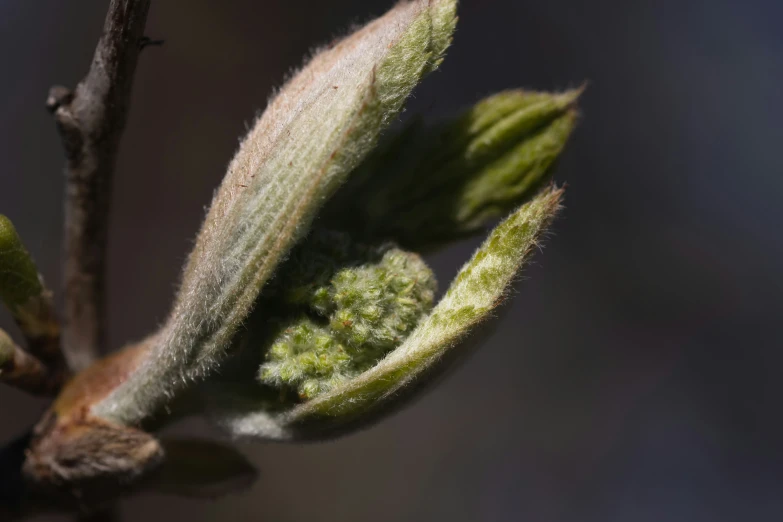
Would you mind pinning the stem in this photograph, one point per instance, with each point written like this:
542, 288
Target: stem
24, 371
90, 121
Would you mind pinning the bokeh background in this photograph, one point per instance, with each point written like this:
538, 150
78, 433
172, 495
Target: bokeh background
638, 375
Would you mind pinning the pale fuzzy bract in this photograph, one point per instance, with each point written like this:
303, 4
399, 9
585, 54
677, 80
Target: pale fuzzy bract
313, 134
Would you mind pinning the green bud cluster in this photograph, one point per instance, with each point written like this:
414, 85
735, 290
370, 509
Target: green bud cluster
347, 305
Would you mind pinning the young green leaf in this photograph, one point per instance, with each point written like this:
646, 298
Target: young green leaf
313, 134
428, 186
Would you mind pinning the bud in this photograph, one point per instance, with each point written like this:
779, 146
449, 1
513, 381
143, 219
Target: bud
314, 133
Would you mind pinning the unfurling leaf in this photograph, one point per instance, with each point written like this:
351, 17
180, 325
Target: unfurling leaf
478, 289
431, 185
319, 127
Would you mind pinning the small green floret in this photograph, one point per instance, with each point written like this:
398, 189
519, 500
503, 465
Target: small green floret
349, 305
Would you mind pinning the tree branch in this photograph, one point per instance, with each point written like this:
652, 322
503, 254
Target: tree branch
90, 121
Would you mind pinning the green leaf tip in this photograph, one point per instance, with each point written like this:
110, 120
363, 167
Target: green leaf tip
478, 289
427, 186
444, 22
315, 132
19, 281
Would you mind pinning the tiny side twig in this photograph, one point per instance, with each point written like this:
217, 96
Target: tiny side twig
24, 371
90, 121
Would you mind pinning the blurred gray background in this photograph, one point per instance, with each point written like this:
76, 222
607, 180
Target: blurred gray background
637, 376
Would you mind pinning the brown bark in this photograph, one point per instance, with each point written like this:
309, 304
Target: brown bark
91, 120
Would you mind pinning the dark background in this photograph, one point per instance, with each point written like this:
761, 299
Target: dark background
638, 374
